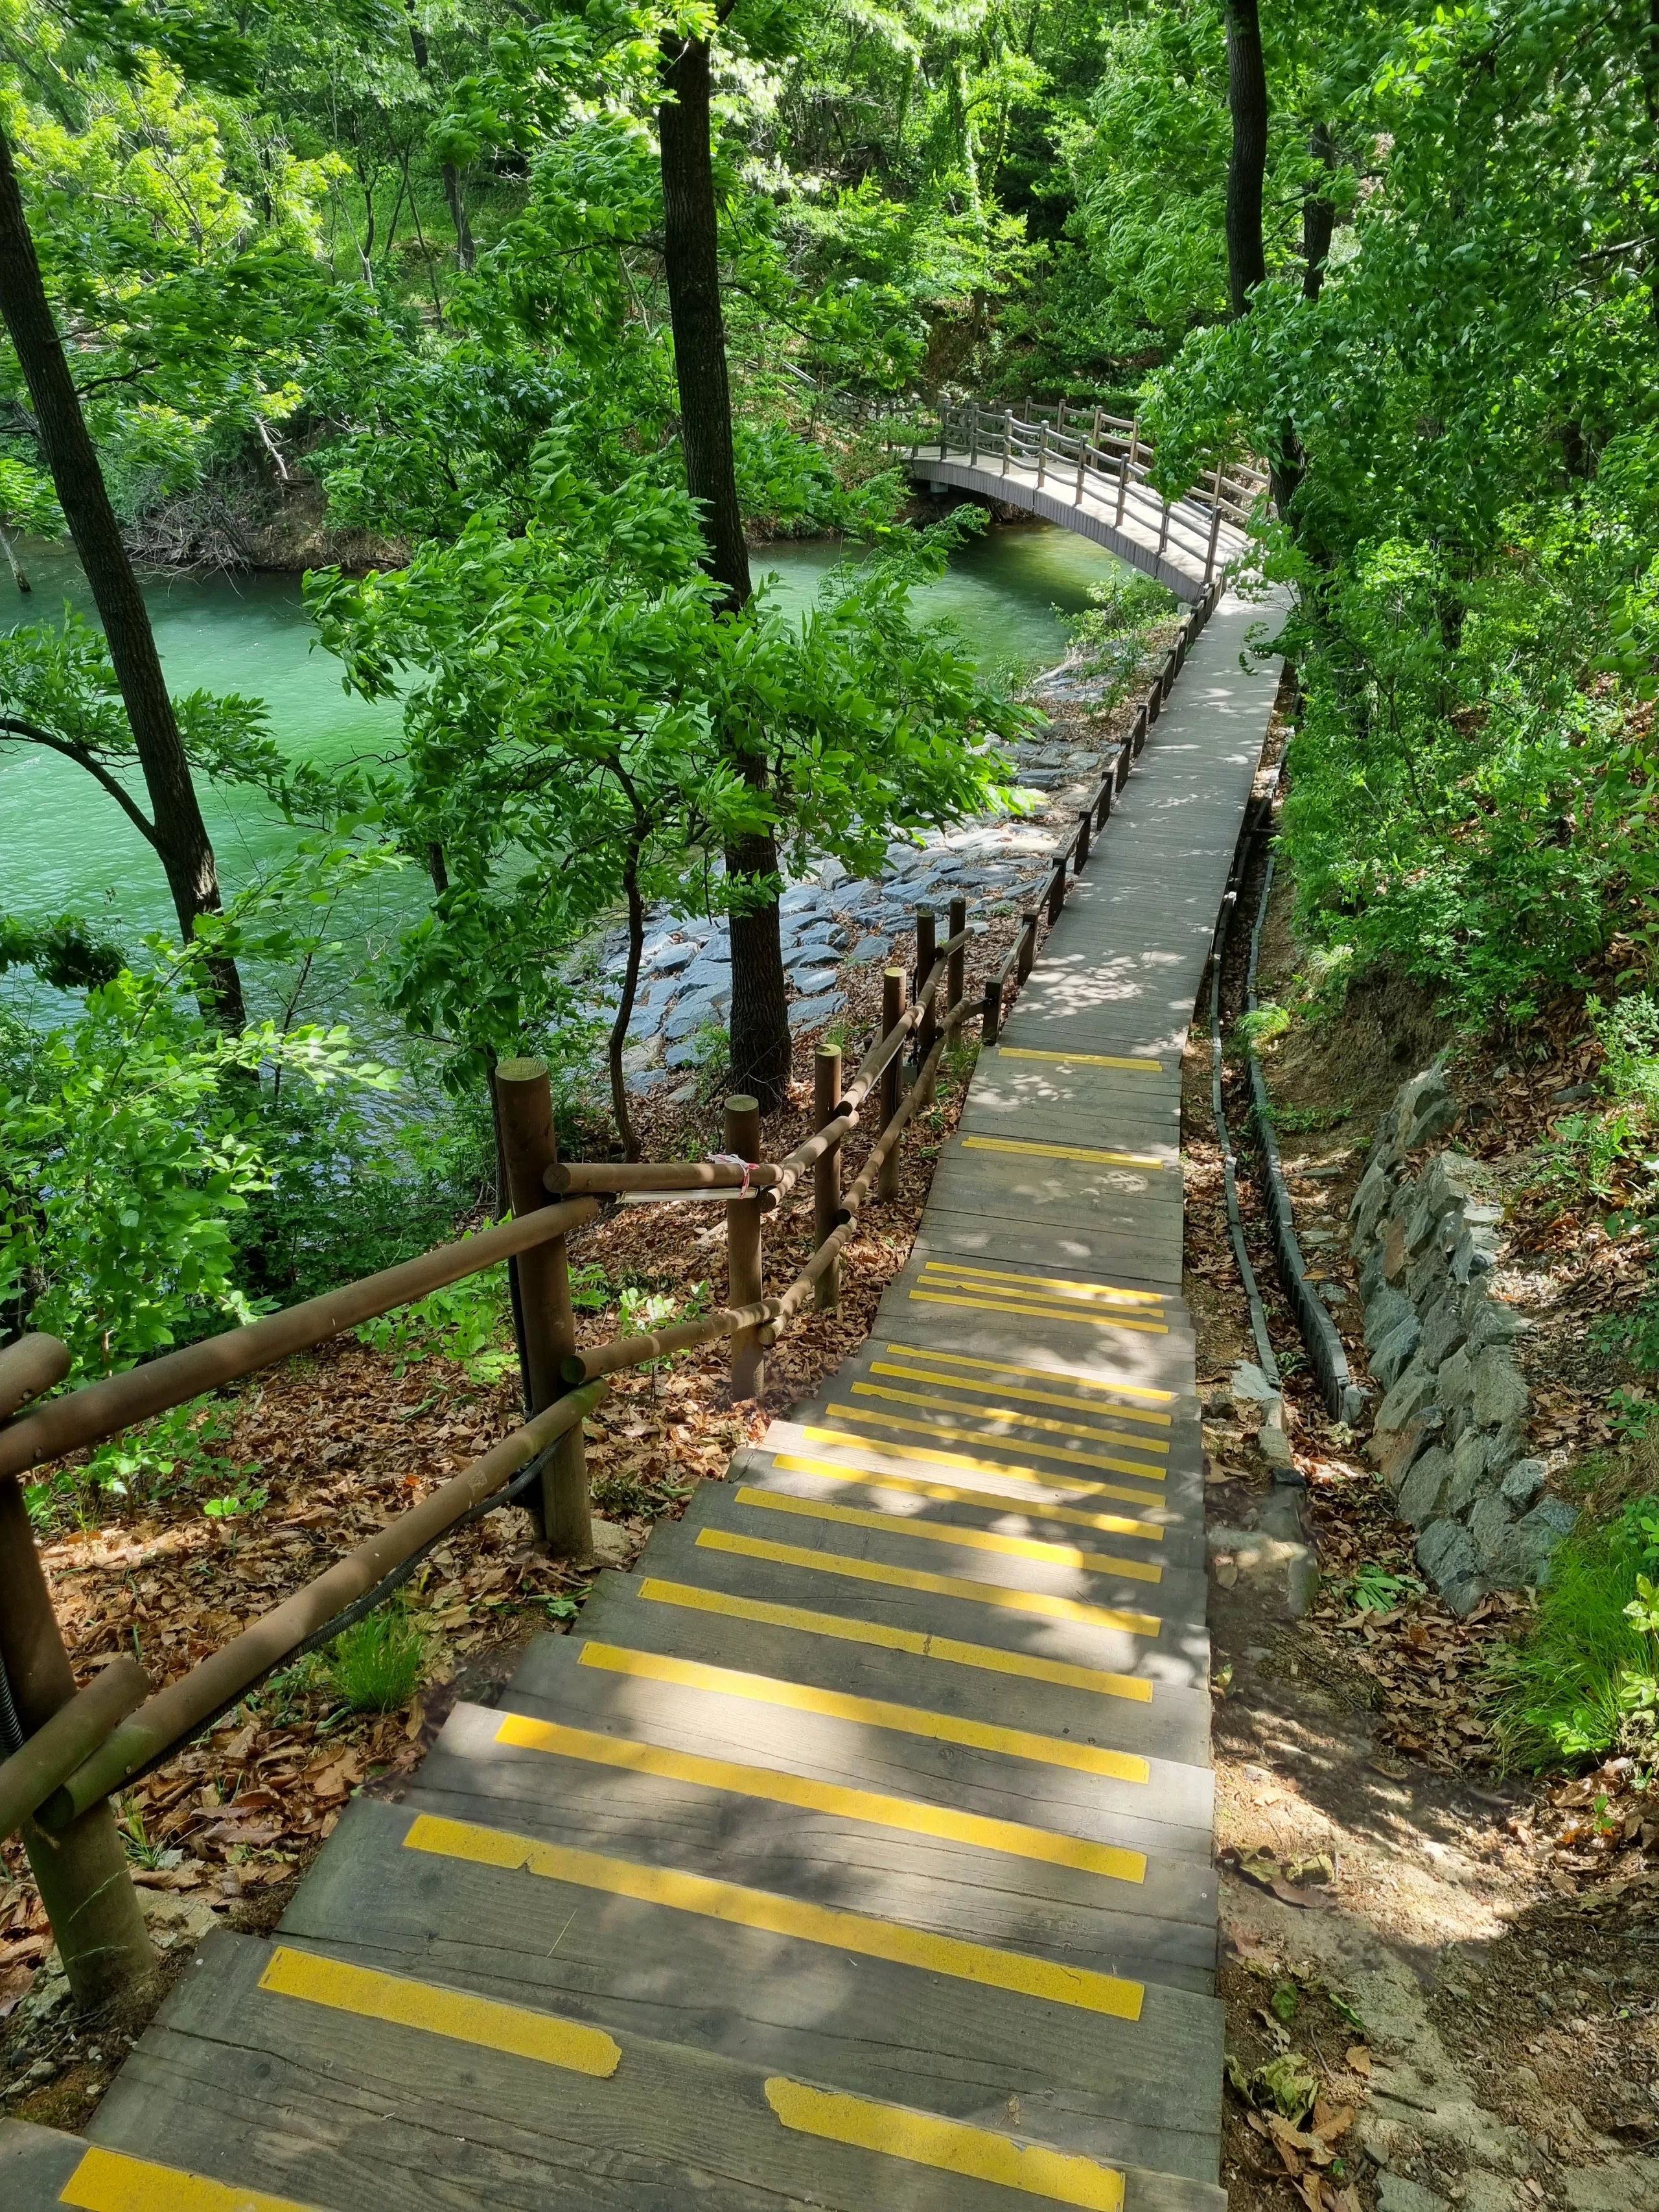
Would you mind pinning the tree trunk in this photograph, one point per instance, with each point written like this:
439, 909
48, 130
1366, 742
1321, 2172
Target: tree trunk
761, 1050
465, 253
181, 837
630, 985
1318, 217
1247, 96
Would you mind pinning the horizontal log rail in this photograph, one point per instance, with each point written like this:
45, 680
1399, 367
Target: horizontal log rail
79, 1747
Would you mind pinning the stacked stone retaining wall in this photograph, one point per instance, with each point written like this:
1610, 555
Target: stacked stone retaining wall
1450, 1434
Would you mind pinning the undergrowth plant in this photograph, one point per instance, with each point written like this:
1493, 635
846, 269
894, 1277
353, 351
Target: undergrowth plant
1584, 1681
378, 1663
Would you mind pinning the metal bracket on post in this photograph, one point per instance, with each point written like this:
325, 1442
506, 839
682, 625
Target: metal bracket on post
524, 1101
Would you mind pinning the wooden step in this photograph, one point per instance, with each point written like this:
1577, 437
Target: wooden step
290, 2070
1064, 1634
834, 1651
1048, 1784
708, 1966
1093, 1572
973, 1491
1094, 1907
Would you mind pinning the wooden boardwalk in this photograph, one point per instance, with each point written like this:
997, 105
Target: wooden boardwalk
855, 1852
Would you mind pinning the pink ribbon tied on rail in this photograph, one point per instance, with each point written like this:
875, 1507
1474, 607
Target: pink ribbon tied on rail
735, 1160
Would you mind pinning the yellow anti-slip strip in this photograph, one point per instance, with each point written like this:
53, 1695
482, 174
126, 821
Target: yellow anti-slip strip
964, 1383
948, 2146
978, 1437
945, 1532
885, 1448
908, 1815
885, 1637
1048, 1375
462, 2018
1031, 1150
1064, 1285
868, 1712
921, 1297
109, 2181
912, 1578
952, 1493
762, 1909
1080, 1059
1087, 1430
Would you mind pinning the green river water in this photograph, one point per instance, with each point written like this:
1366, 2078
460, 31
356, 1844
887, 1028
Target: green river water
65, 847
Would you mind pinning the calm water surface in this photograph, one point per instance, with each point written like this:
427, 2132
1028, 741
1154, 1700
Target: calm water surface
65, 847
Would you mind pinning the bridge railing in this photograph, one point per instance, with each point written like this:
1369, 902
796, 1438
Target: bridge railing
64, 1753
1102, 461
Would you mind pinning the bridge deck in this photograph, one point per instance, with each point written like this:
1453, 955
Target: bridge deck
855, 1852
1176, 552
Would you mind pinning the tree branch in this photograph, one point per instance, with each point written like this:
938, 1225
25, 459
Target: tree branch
15, 725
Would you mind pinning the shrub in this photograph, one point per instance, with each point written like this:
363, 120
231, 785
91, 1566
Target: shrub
378, 1663
1585, 1680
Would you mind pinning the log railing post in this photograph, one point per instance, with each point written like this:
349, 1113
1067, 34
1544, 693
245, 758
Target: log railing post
990, 1019
1028, 938
745, 1283
826, 1172
523, 1105
1042, 452
892, 1076
82, 1873
1007, 436
956, 966
928, 1028
973, 434
1128, 465
1085, 823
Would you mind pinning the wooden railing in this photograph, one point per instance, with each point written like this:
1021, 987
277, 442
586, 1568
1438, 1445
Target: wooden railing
1101, 462
65, 1752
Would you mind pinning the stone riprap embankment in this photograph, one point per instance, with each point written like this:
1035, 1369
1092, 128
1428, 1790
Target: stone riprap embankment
1450, 1435
832, 922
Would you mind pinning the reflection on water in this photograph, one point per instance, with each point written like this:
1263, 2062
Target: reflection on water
65, 847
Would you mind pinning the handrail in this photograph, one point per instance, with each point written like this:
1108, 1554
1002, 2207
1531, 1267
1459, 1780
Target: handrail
177, 1712
104, 1408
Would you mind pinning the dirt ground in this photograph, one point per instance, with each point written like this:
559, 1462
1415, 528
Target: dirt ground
1461, 1966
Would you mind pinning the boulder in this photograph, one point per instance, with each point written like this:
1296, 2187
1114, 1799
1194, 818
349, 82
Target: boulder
1385, 1311
1409, 1393
1453, 1381
1491, 1323
1370, 1273
1471, 1472
1427, 1278
1390, 1358
1370, 1201
1522, 1484
1542, 1531
1394, 1253
1442, 1331
1447, 1556
1399, 1448
1425, 1110
1498, 1394
1422, 1493
1474, 1254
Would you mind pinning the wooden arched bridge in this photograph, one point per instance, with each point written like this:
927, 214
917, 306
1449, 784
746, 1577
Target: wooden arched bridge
1091, 472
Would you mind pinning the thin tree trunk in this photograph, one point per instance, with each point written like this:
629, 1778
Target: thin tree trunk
761, 1050
1318, 216
15, 565
1247, 96
625, 1008
465, 253
181, 837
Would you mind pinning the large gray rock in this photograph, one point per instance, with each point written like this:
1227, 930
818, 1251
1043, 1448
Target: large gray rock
1426, 1109
1471, 1472
1395, 2193
1475, 1253
1442, 1331
1385, 1311
1523, 1484
1422, 1492
1396, 1451
1392, 1356
1514, 1551
1406, 1396
1491, 1323
1499, 1397
1370, 1202
1447, 1556
1542, 1530
1454, 1381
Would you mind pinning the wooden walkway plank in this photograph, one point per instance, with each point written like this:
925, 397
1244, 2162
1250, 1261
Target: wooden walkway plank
314, 2078
973, 1681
